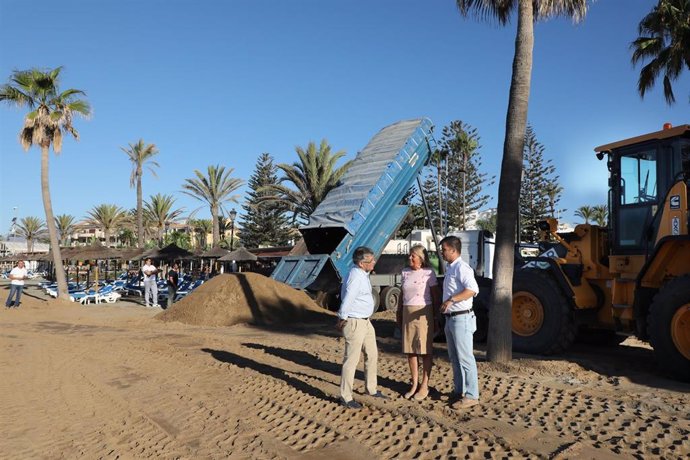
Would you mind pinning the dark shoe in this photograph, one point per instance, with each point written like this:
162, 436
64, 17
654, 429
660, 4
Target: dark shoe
378, 394
351, 404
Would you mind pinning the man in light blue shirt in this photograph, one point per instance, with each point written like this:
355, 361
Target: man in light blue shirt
356, 307
459, 288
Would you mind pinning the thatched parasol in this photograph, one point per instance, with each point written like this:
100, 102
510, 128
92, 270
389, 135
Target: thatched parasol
238, 255
214, 253
170, 252
94, 252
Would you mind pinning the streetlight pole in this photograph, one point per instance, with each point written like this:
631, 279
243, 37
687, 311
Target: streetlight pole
232, 215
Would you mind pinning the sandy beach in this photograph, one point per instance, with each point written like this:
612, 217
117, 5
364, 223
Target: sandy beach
114, 381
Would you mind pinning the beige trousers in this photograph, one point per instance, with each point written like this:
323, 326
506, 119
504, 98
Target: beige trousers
359, 335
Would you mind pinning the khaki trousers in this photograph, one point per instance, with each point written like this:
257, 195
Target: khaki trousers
359, 335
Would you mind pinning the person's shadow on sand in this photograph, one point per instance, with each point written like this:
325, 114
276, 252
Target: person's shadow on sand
268, 370
311, 361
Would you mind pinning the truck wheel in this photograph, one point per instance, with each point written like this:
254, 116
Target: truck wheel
390, 296
669, 327
542, 317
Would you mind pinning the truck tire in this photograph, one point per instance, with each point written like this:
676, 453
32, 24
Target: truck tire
390, 297
542, 316
669, 327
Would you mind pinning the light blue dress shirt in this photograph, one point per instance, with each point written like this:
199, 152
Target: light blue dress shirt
357, 301
459, 276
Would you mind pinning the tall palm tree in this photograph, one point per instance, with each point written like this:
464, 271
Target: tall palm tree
586, 212
499, 346
665, 41
600, 215
140, 154
31, 228
109, 218
51, 115
312, 177
65, 226
201, 227
159, 210
215, 189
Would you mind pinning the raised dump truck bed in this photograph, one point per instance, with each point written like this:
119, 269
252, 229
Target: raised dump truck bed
363, 210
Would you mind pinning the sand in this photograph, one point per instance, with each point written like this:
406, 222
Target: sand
230, 299
111, 381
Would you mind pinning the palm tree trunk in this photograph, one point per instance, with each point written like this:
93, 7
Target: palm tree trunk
216, 225
52, 229
140, 212
106, 234
499, 346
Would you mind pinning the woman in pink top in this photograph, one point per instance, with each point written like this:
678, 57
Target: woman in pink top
416, 318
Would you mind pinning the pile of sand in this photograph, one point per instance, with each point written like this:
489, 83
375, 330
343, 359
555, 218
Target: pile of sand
237, 298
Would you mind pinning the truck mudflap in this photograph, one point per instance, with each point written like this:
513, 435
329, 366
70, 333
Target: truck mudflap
300, 272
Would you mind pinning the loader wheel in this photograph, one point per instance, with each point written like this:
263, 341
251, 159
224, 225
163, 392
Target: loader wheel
542, 317
390, 297
669, 327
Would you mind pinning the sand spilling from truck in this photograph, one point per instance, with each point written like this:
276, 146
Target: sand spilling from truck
236, 298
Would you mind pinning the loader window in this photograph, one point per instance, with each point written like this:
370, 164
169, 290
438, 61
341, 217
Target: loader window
638, 178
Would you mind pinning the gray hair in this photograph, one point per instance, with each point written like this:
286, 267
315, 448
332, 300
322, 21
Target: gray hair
360, 253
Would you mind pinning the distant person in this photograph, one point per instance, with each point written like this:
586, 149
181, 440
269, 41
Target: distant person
17, 277
416, 318
459, 288
173, 282
150, 287
353, 320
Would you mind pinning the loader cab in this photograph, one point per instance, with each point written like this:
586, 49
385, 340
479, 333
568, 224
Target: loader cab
642, 170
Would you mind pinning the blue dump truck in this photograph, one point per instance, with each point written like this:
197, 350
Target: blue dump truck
363, 210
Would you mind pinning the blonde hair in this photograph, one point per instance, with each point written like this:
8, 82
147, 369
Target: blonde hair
421, 252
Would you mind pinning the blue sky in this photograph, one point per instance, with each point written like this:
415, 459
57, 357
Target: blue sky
213, 82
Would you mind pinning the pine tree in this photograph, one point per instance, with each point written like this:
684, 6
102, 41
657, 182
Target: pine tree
539, 190
430, 188
416, 217
465, 181
264, 223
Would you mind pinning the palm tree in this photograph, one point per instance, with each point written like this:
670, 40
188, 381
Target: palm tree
127, 237
499, 346
215, 189
31, 228
664, 40
50, 117
600, 215
159, 210
109, 218
202, 227
586, 212
65, 227
140, 154
313, 176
